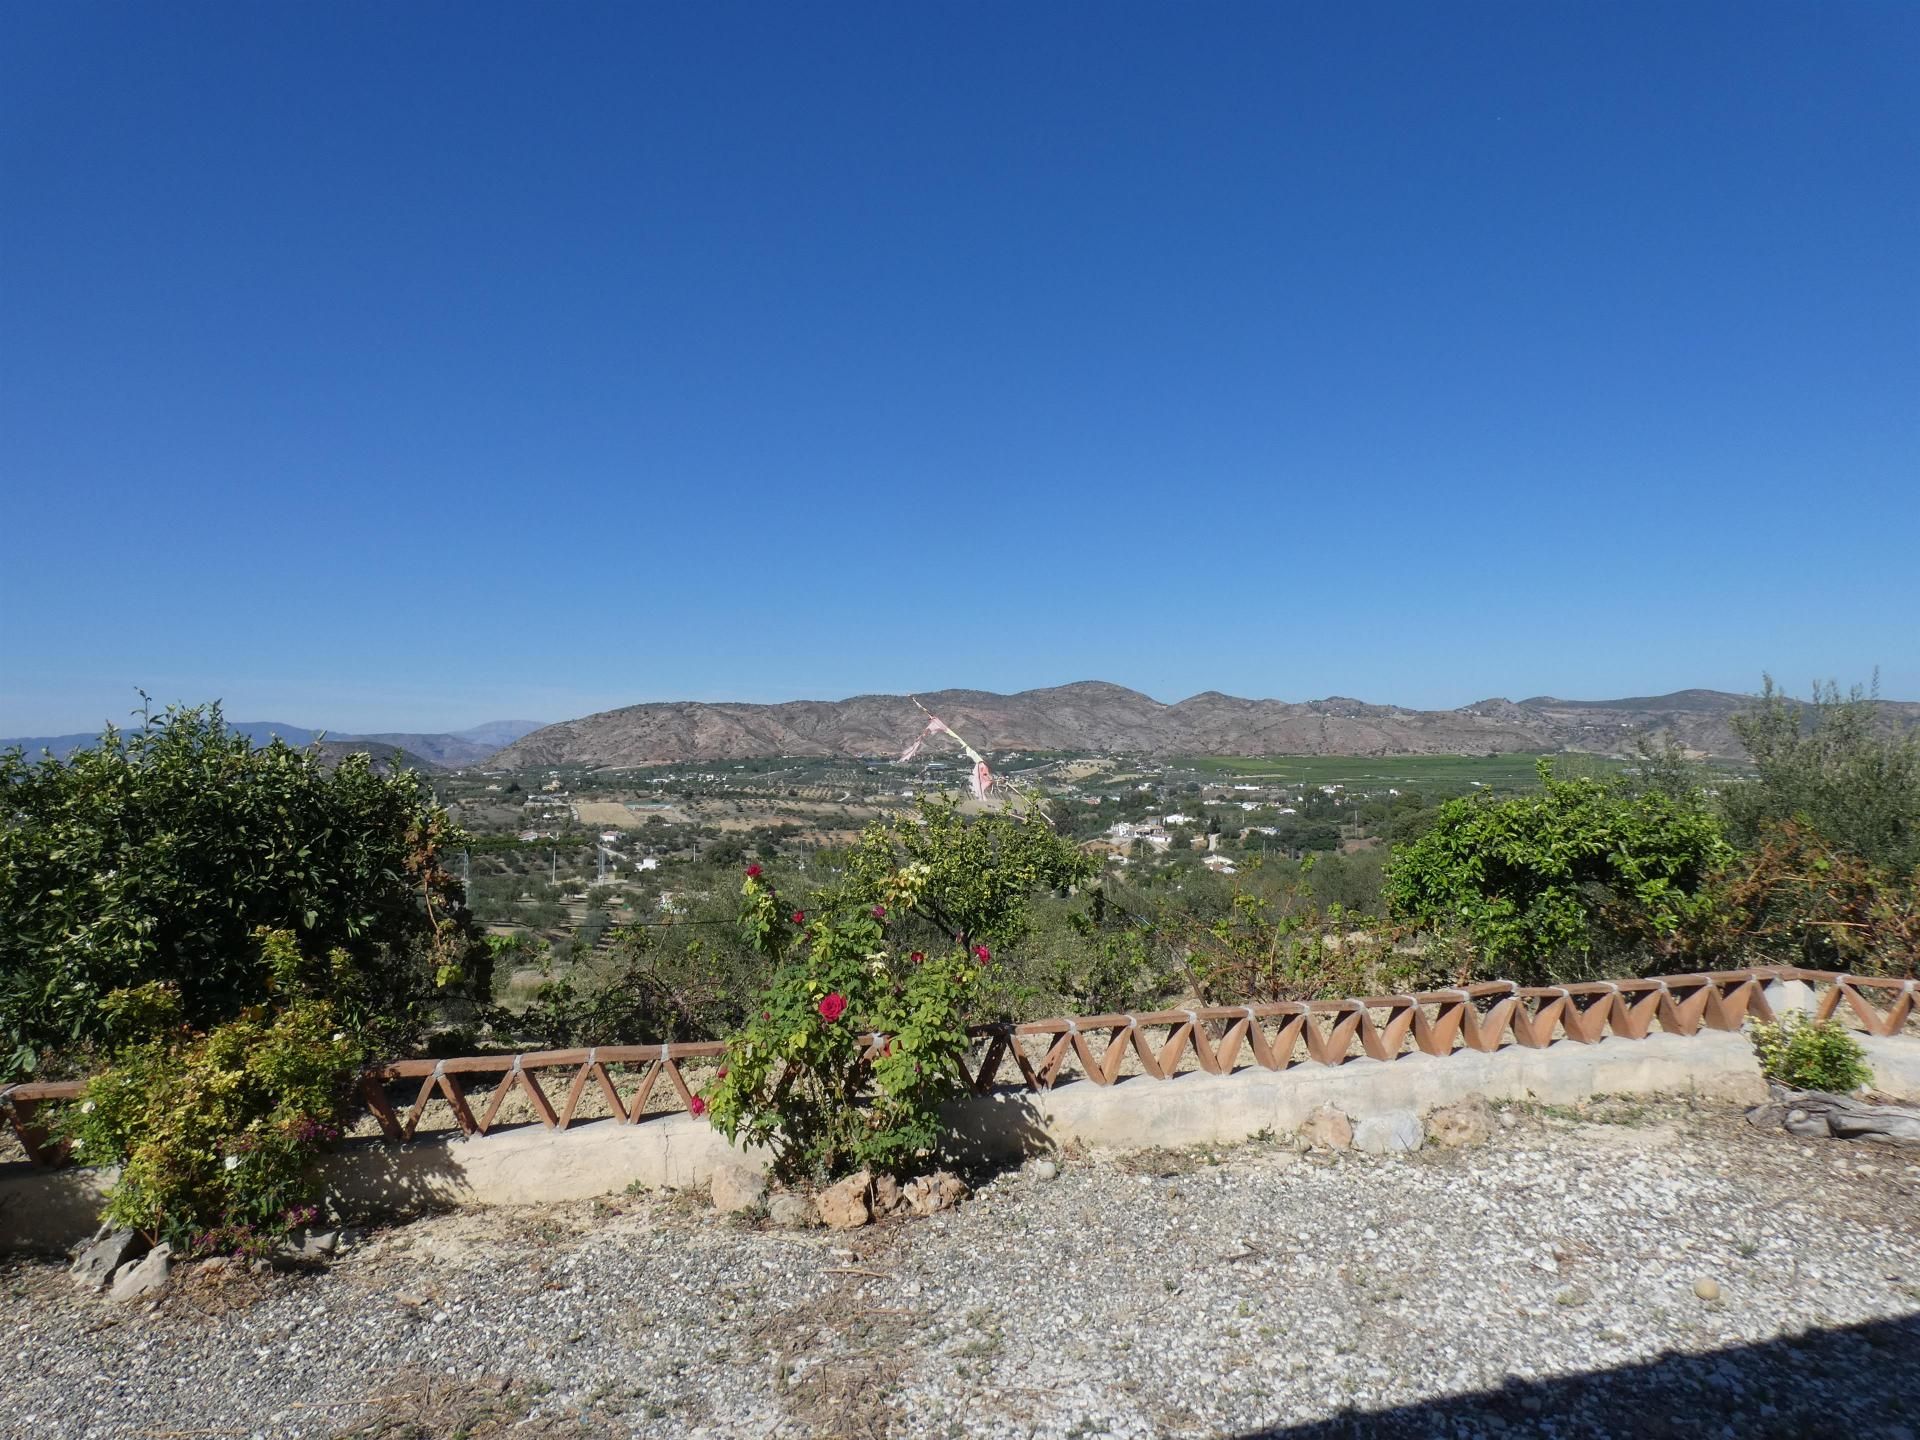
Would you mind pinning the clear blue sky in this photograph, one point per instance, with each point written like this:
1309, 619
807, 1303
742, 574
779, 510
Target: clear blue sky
404, 366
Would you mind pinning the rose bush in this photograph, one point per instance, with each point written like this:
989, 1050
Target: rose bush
853, 1051
857, 1042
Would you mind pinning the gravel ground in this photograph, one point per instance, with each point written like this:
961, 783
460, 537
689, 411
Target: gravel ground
1549, 1282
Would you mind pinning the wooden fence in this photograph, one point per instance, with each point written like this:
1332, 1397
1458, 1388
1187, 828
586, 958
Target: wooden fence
1215, 1039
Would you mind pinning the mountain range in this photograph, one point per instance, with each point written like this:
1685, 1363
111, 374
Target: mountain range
440, 751
1090, 715
1094, 715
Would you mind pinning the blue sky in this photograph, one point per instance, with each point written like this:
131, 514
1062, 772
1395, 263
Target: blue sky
386, 366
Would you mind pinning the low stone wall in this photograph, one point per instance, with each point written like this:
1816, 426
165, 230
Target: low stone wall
530, 1165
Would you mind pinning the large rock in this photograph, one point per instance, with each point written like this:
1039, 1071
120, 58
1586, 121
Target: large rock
109, 1251
847, 1205
1328, 1128
141, 1278
792, 1212
1466, 1122
1392, 1133
737, 1187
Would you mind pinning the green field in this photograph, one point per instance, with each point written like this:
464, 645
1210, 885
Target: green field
1458, 772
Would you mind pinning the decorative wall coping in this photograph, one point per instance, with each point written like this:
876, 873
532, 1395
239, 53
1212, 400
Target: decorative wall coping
1106, 1049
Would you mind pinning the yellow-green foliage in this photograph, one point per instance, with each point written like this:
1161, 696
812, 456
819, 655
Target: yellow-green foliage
1805, 1054
216, 1133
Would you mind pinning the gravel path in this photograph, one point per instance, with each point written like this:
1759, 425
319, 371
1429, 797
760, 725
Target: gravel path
1239, 1293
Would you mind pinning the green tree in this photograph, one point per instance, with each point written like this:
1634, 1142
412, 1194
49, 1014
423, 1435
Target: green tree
1538, 881
157, 856
1834, 767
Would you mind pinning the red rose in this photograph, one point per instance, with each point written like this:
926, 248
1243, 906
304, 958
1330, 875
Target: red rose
982, 954
833, 1007
917, 956
753, 872
696, 1107
879, 912
799, 917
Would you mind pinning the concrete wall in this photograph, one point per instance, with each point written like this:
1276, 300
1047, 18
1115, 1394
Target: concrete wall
531, 1165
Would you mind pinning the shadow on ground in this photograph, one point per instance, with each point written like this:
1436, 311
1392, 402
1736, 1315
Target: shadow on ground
1857, 1382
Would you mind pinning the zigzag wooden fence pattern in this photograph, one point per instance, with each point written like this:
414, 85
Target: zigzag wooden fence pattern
1219, 1039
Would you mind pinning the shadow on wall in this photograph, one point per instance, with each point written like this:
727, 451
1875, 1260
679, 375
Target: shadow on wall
370, 1179
1848, 1383
1002, 1127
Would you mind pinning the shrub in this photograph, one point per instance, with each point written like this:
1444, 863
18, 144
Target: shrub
1538, 882
1831, 766
1288, 946
217, 1133
155, 857
900, 949
1798, 899
1805, 1054
964, 881
798, 1076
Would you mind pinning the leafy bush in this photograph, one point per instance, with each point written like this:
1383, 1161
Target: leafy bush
1290, 946
1832, 767
1798, 899
1805, 1054
675, 982
898, 949
157, 855
217, 1133
1538, 882
797, 1076
966, 881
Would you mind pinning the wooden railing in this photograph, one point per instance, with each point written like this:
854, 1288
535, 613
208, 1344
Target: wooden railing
1215, 1039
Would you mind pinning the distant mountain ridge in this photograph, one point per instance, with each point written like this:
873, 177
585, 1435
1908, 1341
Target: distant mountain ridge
1095, 715
453, 750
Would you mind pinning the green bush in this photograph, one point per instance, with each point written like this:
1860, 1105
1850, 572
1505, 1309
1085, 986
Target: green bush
797, 1077
216, 1134
897, 949
1805, 1054
1539, 883
1833, 767
156, 856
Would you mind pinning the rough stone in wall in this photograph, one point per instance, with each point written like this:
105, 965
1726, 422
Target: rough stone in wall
1466, 1122
1394, 1132
1328, 1128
